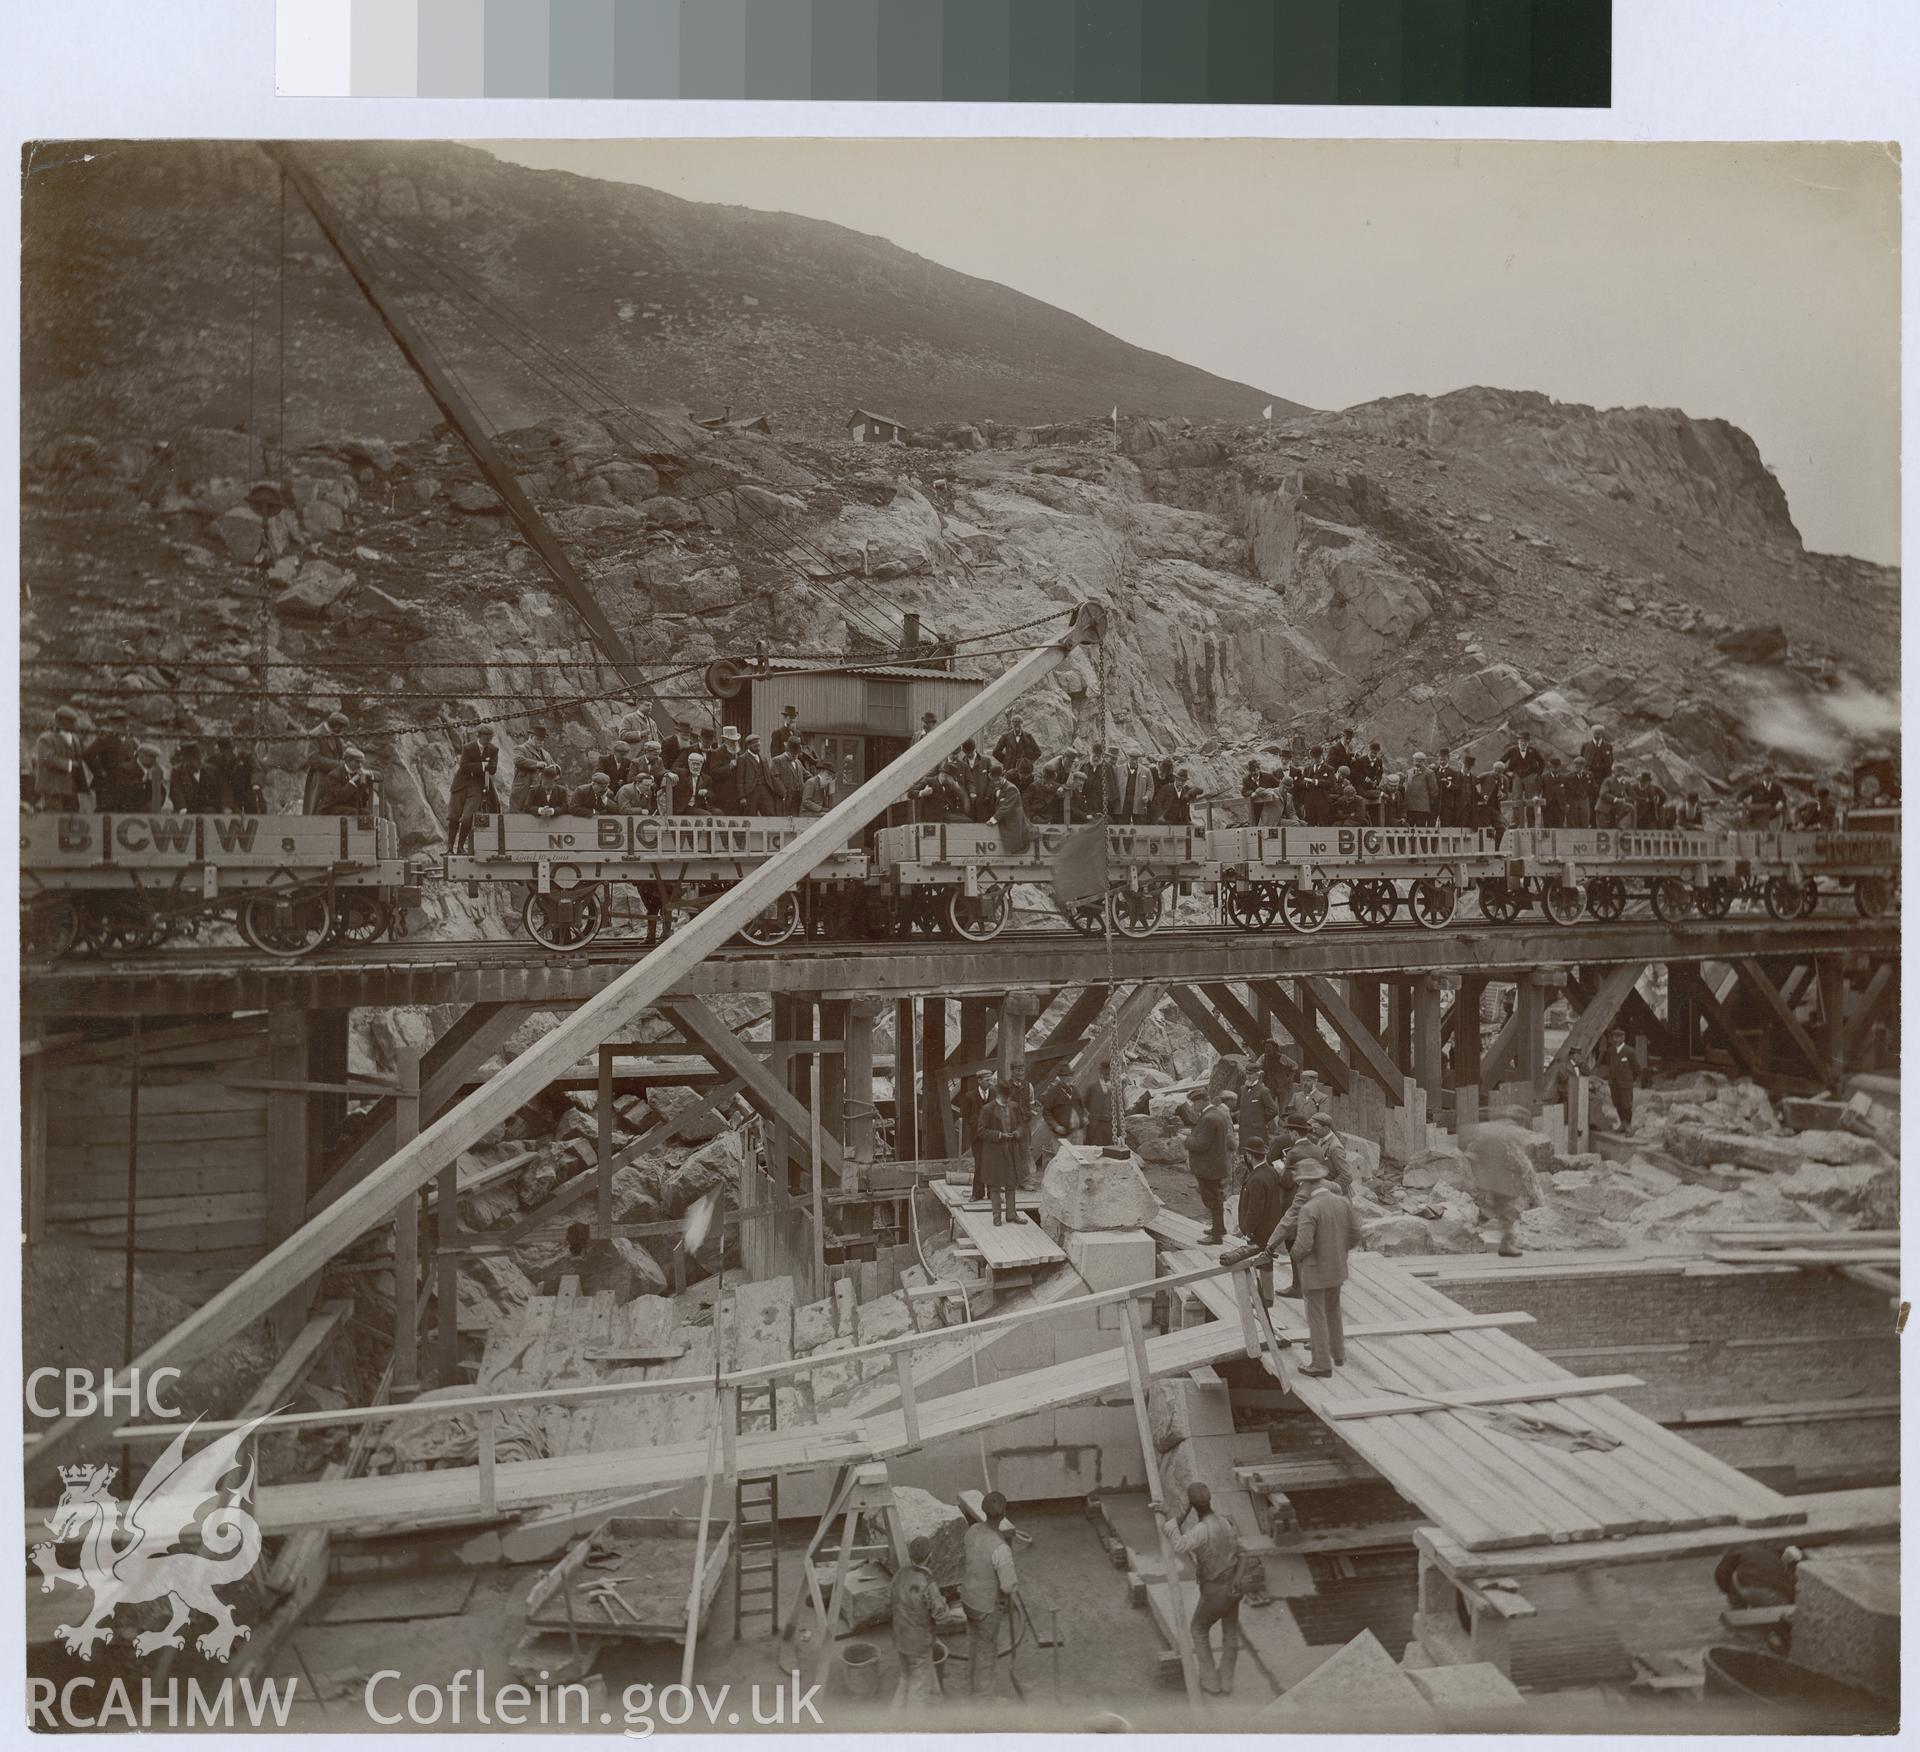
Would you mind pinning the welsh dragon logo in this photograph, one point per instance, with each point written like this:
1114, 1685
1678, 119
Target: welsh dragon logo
127, 1563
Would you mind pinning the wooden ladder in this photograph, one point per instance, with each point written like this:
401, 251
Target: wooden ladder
756, 1520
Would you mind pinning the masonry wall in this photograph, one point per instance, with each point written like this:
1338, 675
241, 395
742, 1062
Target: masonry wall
1722, 1342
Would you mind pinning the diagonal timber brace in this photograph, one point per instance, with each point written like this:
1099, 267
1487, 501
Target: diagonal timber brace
1592, 1023
1757, 980
232, 1310
695, 1019
1369, 1055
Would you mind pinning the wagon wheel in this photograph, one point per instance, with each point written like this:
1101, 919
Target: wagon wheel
1871, 896
361, 917
287, 925
1606, 898
1304, 909
1138, 912
1564, 902
1373, 902
1810, 897
1432, 901
1782, 899
49, 928
1088, 917
769, 929
1673, 901
981, 917
121, 923
566, 921
1715, 899
1253, 906
1499, 901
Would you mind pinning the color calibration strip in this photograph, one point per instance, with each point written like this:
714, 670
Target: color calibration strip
1522, 53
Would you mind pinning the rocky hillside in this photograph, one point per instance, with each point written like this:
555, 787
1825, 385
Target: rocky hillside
153, 288
1433, 570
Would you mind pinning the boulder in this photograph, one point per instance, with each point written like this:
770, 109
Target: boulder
702, 592
1086, 1187
242, 531
668, 513
317, 588
1707, 1149
1754, 644
1432, 1167
1397, 1234
1841, 1148
631, 483
1686, 1207
1867, 1191
479, 500
918, 1514
323, 518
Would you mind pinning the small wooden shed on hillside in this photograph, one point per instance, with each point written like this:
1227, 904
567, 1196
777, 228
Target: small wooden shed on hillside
871, 428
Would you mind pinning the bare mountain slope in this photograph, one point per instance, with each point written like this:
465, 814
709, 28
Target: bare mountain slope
152, 277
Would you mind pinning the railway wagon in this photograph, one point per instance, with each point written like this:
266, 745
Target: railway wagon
958, 877
1680, 871
116, 883
1290, 875
1863, 863
571, 868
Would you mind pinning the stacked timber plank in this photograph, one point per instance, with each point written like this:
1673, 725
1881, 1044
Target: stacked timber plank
1487, 1487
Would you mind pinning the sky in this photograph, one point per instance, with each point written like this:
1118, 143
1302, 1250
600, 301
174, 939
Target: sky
1753, 283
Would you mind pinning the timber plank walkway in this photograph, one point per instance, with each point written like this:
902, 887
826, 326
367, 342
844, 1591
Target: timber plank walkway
1021, 1246
1487, 1487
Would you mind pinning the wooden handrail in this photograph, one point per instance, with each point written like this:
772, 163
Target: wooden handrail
612, 1390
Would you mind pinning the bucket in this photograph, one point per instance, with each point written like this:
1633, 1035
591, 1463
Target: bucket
1795, 1698
860, 1669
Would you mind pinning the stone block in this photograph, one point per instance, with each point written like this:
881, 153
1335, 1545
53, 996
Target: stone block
1708, 1149
1097, 1426
1028, 1346
1110, 1259
1047, 1476
1085, 1187
1846, 1617
1035, 1430
1087, 1342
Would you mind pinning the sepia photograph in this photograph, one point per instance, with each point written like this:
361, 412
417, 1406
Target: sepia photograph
960, 935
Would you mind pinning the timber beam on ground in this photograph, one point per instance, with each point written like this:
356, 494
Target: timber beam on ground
178, 984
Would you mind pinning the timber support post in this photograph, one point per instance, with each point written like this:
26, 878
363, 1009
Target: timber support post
858, 1058
406, 1236
906, 1134
290, 1153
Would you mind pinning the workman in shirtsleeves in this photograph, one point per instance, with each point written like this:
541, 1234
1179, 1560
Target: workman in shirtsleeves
987, 1584
1212, 1544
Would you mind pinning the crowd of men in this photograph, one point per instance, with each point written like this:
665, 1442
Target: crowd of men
119, 774
1344, 783
1013, 782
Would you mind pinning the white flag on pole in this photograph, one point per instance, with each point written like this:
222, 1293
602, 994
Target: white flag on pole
1266, 413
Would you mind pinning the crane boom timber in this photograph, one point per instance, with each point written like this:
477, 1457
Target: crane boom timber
464, 418
414, 1164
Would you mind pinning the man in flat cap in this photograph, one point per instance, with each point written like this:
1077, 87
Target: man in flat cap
58, 764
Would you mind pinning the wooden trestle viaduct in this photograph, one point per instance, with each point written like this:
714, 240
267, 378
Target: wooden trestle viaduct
1370, 1011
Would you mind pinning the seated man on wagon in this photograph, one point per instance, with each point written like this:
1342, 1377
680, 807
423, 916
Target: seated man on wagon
348, 788
595, 797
